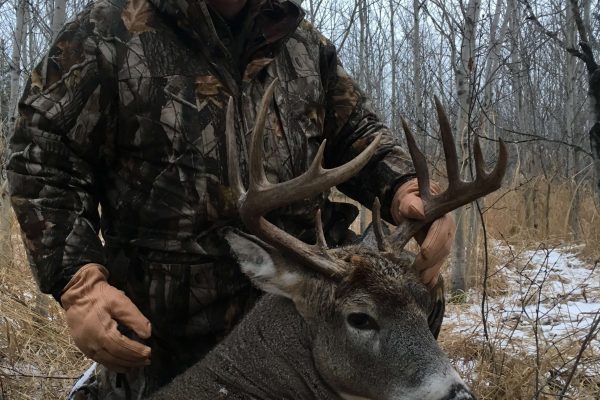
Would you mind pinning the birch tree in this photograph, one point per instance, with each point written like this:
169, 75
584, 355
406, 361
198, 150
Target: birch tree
58, 17
417, 65
464, 63
15, 66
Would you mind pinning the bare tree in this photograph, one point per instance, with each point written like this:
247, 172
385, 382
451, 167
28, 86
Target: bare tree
15, 66
417, 76
58, 17
585, 52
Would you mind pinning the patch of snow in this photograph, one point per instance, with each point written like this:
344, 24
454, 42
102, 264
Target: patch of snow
551, 299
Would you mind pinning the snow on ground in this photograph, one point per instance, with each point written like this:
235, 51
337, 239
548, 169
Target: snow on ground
548, 302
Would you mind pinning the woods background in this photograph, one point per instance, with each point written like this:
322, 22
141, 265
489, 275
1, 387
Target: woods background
519, 70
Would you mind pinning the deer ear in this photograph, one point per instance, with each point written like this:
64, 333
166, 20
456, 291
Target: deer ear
263, 265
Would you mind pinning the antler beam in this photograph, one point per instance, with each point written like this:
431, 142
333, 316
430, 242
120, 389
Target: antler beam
458, 192
263, 196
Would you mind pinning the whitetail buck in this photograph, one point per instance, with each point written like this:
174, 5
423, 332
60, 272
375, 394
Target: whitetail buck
346, 323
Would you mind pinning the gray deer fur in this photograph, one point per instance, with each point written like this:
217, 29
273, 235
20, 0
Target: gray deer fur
297, 343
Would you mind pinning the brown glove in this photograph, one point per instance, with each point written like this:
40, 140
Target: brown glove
92, 309
435, 242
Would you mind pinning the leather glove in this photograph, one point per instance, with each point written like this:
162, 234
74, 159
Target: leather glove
436, 241
92, 309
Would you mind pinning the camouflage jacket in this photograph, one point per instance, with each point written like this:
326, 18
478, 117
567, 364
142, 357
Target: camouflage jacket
126, 115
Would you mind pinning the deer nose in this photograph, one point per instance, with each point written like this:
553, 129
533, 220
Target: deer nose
447, 386
459, 392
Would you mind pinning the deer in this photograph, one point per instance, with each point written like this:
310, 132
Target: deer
342, 323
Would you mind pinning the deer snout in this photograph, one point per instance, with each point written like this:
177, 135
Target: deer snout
448, 387
440, 386
459, 392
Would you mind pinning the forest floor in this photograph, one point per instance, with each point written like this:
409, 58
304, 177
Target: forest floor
38, 359
542, 303
541, 317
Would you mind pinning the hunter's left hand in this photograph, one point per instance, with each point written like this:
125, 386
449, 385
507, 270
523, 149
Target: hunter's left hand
436, 241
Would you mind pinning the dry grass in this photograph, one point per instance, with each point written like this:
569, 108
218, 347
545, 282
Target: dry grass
495, 372
534, 215
38, 360
541, 211
522, 217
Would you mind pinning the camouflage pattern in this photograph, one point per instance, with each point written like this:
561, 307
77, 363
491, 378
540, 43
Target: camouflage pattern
126, 115
97, 382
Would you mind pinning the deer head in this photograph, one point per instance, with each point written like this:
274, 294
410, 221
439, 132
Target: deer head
364, 305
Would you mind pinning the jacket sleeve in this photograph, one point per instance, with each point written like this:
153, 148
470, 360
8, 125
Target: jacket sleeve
54, 152
350, 125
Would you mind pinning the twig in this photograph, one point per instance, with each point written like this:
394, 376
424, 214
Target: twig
2, 392
552, 35
347, 32
19, 374
582, 349
485, 282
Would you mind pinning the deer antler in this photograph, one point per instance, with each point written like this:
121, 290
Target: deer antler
458, 192
263, 196
382, 243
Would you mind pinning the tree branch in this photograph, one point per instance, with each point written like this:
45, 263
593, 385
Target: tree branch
552, 35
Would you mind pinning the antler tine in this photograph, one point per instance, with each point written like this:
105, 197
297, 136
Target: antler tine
494, 178
458, 192
320, 234
235, 179
263, 196
448, 143
419, 161
314, 181
257, 171
382, 243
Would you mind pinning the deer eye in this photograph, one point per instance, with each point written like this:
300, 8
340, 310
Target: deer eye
361, 321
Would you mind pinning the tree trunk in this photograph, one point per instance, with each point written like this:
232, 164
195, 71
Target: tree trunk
547, 207
417, 79
474, 227
362, 77
58, 17
394, 72
464, 74
497, 37
5, 225
530, 195
459, 255
571, 122
574, 222
15, 67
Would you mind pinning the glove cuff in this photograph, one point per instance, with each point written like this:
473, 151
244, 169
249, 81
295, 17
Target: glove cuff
82, 283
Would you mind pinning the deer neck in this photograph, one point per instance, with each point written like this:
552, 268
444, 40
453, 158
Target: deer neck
268, 356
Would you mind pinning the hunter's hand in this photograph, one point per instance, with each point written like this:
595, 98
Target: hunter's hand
92, 309
436, 241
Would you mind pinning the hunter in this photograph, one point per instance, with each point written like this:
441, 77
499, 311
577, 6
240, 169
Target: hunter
118, 172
